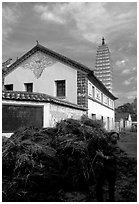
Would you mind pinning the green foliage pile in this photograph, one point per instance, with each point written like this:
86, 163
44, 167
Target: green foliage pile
39, 163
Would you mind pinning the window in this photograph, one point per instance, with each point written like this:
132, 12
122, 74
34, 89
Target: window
60, 88
108, 123
93, 91
112, 123
98, 94
93, 116
102, 97
90, 90
108, 101
112, 104
8, 87
105, 99
29, 87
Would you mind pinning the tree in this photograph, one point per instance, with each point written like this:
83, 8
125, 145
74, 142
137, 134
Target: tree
130, 108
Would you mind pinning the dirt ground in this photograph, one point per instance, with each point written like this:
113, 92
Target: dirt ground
128, 142
126, 186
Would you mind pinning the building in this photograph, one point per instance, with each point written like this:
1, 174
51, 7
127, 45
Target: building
103, 68
43, 76
21, 109
123, 122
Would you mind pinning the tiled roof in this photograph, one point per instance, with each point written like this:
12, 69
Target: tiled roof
101, 86
6, 63
36, 97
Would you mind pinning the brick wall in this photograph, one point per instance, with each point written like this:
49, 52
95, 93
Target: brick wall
82, 89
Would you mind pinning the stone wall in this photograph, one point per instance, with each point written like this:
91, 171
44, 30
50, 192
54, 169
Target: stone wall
82, 89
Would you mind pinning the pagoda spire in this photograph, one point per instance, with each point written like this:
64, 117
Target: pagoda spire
103, 41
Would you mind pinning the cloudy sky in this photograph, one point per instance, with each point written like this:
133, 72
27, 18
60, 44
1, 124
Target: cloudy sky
75, 30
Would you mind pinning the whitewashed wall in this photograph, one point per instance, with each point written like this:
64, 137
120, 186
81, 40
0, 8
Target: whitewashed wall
100, 110
61, 112
43, 76
100, 105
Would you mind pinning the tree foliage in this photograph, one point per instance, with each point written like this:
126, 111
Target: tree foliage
130, 108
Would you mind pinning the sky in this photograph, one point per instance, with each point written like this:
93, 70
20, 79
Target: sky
75, 29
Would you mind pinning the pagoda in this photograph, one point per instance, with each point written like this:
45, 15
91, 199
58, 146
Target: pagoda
103, 69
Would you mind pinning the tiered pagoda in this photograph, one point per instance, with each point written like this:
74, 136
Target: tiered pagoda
103, 69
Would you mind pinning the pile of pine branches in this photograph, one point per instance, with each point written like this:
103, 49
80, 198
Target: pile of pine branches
40, 163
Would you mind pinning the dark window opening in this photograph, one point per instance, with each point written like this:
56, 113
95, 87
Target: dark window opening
60, 88
108, 123
29, 87
8, 87
93, 116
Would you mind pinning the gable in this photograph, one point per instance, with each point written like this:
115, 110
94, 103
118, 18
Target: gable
43, 72
51, 54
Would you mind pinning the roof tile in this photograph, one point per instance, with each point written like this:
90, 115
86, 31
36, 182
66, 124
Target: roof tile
38, 97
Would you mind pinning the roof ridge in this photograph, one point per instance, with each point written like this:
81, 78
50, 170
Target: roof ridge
65, 57
50, 52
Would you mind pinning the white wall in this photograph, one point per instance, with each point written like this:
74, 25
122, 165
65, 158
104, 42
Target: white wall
104, 107
100, 110
58, 113
46, 82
